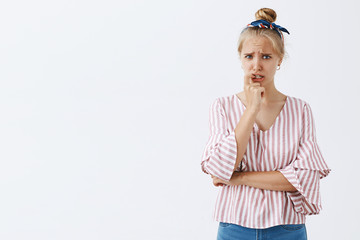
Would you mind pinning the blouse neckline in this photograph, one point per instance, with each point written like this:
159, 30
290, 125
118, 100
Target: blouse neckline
276, 119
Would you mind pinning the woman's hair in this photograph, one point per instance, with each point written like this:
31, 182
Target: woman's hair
269, 15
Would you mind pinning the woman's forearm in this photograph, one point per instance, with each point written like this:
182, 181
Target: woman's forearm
271, 180
242, 134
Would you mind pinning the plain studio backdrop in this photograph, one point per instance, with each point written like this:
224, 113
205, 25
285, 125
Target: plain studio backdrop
105, 111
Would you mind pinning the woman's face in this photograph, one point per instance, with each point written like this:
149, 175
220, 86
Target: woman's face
259, 60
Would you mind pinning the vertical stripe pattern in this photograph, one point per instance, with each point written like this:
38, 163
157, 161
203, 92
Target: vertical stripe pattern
288, 146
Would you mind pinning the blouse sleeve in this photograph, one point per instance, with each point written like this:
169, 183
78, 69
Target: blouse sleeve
305, 172
220, 153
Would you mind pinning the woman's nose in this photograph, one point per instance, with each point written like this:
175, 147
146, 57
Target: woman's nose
256, 64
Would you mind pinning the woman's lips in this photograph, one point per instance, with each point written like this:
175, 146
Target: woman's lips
257, 78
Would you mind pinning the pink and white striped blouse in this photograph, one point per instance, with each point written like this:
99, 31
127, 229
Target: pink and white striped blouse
289, 146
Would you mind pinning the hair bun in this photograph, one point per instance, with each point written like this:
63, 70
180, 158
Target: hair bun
266, 14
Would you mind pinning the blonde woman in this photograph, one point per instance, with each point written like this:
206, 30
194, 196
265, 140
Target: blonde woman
262, 151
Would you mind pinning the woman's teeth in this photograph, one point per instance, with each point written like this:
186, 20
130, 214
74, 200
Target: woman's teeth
258, 76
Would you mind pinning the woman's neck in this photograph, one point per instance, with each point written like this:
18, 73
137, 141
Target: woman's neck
272, 95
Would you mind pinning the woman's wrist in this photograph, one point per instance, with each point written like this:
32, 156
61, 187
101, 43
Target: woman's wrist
236, 178
252, 111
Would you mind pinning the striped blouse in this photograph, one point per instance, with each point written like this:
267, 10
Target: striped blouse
288, 146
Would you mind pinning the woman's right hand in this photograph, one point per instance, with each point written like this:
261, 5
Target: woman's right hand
253, 92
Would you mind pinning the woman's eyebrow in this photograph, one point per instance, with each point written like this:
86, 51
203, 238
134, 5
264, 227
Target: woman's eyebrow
260, 53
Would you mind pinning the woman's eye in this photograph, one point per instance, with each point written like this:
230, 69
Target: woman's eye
248, 56
266, 57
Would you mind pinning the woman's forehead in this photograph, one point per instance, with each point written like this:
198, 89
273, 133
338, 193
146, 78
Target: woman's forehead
258, 44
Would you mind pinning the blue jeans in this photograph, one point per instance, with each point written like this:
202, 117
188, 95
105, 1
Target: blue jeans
229, 231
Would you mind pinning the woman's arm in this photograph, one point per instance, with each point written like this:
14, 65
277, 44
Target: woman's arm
242, 134
270, 180
253, 92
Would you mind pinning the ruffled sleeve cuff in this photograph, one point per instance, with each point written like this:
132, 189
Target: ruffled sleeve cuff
219, 157
306, 199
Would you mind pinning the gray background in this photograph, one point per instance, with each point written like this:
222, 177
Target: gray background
104, 112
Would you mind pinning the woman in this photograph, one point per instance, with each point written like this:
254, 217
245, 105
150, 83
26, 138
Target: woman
262, 149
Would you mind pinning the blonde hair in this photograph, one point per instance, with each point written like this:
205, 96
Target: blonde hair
269, 15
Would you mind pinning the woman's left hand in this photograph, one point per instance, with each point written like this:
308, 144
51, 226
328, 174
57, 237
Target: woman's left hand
218, 182
232, 182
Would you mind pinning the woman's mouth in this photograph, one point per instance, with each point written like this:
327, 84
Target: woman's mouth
257, 77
